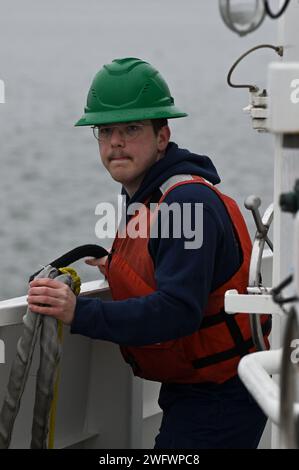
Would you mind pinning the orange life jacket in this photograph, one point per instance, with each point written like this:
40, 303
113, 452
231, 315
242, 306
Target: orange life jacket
210, 354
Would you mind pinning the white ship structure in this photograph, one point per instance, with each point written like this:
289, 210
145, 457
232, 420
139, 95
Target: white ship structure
98, 403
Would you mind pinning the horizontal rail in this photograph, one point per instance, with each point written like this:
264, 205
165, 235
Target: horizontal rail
255, 370
13, 310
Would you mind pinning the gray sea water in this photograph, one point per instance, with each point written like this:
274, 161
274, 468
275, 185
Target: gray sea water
51, 178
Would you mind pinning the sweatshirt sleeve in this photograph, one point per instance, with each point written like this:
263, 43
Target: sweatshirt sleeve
184, 279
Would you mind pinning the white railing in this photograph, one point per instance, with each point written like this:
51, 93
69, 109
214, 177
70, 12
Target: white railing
96, 391
255, 370
12, 310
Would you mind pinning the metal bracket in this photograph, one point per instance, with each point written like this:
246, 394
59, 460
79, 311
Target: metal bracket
255, 304
258, 110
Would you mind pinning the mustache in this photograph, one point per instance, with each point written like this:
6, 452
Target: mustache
118, 154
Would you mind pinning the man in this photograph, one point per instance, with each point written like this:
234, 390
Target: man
167, 312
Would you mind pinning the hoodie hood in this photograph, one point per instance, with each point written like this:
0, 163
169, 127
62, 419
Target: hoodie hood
176, 161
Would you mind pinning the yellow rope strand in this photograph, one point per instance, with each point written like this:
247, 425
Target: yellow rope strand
76, 281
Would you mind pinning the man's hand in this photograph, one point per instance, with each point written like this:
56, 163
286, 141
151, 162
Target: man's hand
59, 299
99, 262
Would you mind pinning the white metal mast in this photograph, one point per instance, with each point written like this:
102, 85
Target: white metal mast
282, 119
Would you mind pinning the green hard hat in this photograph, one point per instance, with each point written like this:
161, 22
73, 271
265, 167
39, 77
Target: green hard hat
126, 90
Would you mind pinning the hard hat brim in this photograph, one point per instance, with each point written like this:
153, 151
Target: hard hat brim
128, 115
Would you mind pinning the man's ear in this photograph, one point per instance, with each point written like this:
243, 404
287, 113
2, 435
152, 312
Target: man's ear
163, 138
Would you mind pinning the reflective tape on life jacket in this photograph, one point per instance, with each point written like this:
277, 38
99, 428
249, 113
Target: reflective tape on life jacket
210, 354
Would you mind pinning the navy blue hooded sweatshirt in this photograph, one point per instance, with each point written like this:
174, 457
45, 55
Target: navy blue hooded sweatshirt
184, 277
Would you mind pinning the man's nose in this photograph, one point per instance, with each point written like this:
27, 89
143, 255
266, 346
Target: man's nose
118, 137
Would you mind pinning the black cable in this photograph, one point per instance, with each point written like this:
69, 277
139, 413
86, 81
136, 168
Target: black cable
70, 257
272, 15
276, 292
278, 299
277, 49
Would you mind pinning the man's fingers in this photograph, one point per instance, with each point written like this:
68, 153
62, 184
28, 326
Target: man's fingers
92, 261
96, 261
43, 290
46, 281
43, 299
43, 310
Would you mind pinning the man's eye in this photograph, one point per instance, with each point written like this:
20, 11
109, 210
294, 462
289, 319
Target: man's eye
105, 131
132, 129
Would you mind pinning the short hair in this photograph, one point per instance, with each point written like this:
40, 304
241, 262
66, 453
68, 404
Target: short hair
158, 124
